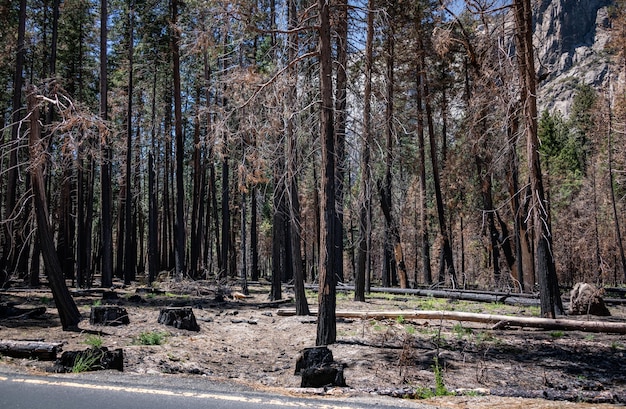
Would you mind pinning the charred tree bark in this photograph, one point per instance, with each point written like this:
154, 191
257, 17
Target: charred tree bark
153, 222
44, 351
485, 177
179, 253
618, 232
129, 259
254, 236
302, 307
68, 312
106, 216
225, 218
363, 256
544, 260
244, 247
523, 268
389, 270
447, 262
425, 242
197, 220
213, 214
340, 128
279, 233
326, 323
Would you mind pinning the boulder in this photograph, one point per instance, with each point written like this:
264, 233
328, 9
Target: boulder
587, 299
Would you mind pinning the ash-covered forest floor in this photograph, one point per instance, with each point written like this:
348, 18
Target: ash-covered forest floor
245, 341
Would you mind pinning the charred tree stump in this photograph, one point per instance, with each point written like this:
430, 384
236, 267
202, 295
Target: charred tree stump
181, 318
318, 369
110, 297
109, 315
43, 351
92, 359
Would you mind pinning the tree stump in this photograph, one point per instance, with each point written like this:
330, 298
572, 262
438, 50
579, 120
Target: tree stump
587, 299
110, 296
108, 315
44, 351
181, 318
92, 359
318, 369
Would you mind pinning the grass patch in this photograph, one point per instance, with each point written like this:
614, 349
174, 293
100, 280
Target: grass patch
461, 331
377, 327
94, 341
85, 362
557, 334
152, 338
345, 296
483, 337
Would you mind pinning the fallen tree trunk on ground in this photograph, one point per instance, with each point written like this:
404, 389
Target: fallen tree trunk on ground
44, 351
466, 295
9, 311
499, 321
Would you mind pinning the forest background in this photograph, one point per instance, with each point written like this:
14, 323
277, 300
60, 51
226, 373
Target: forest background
248, 139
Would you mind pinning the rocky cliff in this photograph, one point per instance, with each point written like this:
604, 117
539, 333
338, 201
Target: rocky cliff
570, 40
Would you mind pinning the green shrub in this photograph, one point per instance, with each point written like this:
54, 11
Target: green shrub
440, 386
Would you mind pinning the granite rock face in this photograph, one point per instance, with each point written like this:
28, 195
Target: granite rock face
570, 40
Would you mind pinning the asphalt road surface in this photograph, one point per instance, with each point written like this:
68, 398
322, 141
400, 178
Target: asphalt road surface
108, 390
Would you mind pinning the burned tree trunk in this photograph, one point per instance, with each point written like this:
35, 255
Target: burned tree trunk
68, 312
544, 261
361, 273
326, 323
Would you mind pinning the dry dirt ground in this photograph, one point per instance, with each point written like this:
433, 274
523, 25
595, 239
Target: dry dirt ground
246, 341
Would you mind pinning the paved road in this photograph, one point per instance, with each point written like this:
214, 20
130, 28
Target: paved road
19, 391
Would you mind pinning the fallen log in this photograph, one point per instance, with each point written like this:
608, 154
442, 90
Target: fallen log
45, 351
500, 321
465, 295
9, 311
